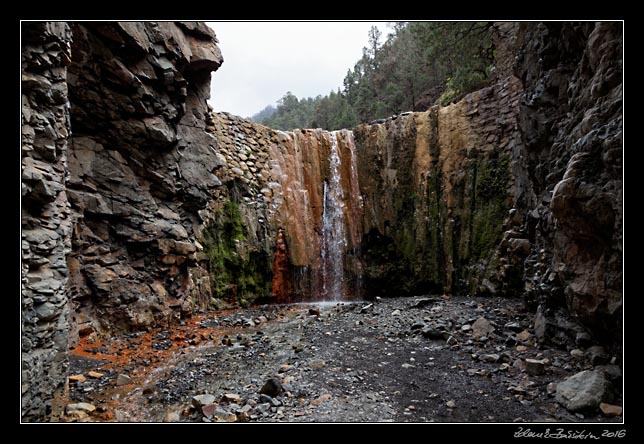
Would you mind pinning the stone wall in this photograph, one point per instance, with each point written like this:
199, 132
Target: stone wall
46, 214
572, 195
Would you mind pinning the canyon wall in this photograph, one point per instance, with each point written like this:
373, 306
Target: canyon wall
117, 182
571, 160
140, 206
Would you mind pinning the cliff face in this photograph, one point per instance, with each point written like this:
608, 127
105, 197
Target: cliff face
437, 191
571, 127
141, 170
113, 124
46, 214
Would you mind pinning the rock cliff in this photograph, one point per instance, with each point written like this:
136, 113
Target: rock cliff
438, 187
572, 156
118, 180
46, 215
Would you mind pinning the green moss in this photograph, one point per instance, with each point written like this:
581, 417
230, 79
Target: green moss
236, 277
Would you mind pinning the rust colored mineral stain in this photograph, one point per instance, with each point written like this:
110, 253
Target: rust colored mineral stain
281, 288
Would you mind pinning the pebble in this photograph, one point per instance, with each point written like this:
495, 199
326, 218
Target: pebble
577, 354
493, 357
610, 410
450, 404
319, 400
231, 397
395, 313
482, 328
524, 336
534, 367
82, 406
201, 400
171, 417
272, 387
77, 378
95, 375
123, 379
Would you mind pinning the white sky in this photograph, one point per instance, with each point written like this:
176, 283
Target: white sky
264, 60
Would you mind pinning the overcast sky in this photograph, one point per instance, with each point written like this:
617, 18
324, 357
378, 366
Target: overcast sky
264, 60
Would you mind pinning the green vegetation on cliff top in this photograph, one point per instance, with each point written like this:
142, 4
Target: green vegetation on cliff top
417, 65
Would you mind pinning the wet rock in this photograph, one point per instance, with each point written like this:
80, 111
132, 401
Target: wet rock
123, 379
272, 387
314, 312
534, 367
482, 327
584, 391
610, 410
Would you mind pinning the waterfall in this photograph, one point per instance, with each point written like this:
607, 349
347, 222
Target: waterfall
333, 240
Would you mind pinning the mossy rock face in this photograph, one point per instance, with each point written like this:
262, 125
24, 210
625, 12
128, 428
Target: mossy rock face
238, 276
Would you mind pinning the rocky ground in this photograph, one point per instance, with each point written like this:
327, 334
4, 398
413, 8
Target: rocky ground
421, 359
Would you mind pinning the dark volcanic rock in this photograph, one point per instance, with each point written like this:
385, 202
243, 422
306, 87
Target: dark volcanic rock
571, 164
272, 387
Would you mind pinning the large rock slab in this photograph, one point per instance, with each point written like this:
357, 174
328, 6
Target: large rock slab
584, 391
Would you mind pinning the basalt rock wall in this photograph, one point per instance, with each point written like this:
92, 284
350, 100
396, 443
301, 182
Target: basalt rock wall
118, 181
572, 199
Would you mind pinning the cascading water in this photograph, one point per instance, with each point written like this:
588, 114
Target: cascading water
333, 240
